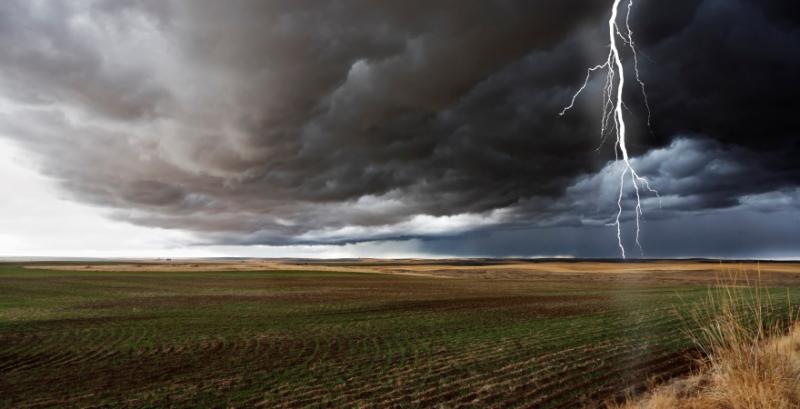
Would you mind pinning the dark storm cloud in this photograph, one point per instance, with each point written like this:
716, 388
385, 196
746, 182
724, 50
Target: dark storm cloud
731, 73
730, 233
303, 121
692, 174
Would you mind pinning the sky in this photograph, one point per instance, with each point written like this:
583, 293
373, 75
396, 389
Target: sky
177, 128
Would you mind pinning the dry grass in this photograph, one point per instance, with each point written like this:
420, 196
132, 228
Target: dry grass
753, 356
657, 271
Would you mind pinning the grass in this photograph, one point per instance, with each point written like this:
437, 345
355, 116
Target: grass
751, 354
334, 339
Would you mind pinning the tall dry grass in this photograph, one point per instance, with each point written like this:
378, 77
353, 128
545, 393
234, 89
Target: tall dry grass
752, 352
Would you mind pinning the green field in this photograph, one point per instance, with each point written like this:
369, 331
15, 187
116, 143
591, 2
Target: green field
327, 339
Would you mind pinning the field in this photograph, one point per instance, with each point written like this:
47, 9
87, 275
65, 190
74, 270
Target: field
408, 333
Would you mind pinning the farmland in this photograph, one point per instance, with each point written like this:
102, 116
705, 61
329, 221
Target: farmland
351, 333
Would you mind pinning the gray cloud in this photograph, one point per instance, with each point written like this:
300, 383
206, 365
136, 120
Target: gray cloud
738, 232
285, 122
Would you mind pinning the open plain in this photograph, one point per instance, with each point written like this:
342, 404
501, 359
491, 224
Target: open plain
352, 333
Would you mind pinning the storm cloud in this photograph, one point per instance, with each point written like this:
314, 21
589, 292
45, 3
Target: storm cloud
281, 122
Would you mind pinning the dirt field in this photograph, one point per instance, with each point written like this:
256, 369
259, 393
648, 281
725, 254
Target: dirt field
365, 333
659, 270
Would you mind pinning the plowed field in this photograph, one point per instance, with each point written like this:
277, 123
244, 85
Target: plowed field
474, 336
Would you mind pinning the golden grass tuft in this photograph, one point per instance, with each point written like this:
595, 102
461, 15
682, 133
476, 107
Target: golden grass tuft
753, 355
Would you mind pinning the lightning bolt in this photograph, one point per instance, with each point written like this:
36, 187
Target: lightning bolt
613, 118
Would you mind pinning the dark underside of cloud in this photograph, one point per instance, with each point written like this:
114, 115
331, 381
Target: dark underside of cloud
285, 122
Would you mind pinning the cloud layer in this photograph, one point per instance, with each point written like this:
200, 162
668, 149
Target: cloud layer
303, 122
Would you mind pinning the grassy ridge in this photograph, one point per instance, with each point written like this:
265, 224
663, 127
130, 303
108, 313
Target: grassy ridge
324, 339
